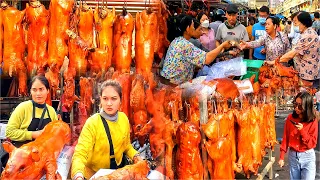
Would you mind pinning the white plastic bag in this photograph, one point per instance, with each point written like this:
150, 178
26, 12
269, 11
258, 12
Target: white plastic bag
232, 67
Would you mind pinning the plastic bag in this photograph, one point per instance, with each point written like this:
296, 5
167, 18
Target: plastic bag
232, 67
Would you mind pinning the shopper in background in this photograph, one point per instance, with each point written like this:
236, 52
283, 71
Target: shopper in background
287, 28
316, 23
294, 34
207, 38
259, 30
232, 30
93, 151
195, 38
219, 18
306, 53
300, 138
275, 42
251, 22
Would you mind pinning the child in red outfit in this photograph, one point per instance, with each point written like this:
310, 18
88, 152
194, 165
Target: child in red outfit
300, 137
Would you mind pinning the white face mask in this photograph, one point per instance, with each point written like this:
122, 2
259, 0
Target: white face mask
205, 24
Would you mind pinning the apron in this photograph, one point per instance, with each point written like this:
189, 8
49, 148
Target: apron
36, 123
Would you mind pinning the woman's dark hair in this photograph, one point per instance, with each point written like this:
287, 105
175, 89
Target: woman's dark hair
294, 14
307, 107
173, 27
115, 84
42, 79
305, 19
185, 22
200, 16
316, 15
196, 23
275, 20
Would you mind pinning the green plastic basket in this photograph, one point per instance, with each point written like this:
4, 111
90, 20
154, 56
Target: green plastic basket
252, 68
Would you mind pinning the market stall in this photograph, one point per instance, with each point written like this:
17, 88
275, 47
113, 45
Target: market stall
205, 129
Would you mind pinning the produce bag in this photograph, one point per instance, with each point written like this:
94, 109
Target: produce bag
232, 67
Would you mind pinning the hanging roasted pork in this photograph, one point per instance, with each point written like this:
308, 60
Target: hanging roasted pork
122, 41
14, 46
1, 38
156, 125
60, 11
37, 17
137, 104
188, 160
104, 22
86, 93
69, 88
145, 41
99, 62
125, 82
78, 53
222, 163
163, 42
85, 25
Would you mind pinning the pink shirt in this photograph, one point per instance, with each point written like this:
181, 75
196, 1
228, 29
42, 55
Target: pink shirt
208, 40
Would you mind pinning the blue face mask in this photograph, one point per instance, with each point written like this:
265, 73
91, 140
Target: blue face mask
296, 29
262, 20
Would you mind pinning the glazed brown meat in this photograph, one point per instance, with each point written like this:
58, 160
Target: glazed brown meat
188, 160
139, 170
37, 17
146, 30
122, 42
14, 47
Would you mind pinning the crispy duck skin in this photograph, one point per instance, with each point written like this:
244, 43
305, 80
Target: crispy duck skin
39, 157
188, 160
1, 38
85, 25
122, 42
156, 125
60, 11
86, 93
99, 62
225, 86
104, 24
163, 42
78, 52
218, 152
139, 170
125, 82
69, 88
137, 104
14, 47
283, 70
145, 41
37, 17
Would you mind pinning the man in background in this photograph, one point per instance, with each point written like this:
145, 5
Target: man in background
231, 30
218, 17
259, 30
316, 23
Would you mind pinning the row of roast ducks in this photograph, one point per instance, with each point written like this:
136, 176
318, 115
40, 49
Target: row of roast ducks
36, 40
236, 136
